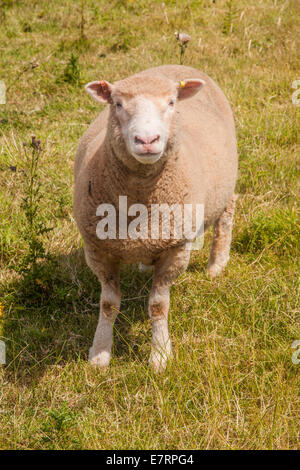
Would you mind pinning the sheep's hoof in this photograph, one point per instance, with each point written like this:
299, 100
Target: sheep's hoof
158, 361
215, 269
101, 359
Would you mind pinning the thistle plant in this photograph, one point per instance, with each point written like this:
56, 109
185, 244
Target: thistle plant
35, 224
183, 40
229, 18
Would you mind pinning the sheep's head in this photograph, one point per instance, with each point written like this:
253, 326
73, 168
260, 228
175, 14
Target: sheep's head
143, 106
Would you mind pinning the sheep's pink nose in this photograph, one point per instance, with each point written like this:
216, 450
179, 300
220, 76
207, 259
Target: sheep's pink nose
146, 140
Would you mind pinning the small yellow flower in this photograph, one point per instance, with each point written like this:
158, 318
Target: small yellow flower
43, 330
38, 281
1, 309
182, 84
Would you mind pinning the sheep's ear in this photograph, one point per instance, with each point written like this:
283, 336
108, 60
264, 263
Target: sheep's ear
100, 91
189, 87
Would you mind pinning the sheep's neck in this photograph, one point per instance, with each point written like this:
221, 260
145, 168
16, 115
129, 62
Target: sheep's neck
146, 183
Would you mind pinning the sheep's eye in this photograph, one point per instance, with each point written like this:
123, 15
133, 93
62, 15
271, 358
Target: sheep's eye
171, 103
118, 104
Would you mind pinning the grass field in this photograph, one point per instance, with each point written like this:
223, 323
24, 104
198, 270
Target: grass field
232, 384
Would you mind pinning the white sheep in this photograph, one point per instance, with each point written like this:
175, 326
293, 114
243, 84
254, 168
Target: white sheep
167, 137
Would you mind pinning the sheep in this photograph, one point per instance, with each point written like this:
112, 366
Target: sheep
167, 137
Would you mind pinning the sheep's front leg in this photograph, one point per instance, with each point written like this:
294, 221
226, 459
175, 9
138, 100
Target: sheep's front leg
219, 254
110, 300
161, 349
166, 270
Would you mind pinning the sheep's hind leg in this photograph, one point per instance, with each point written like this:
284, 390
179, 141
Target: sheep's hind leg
166, 270
108, 274
219, 254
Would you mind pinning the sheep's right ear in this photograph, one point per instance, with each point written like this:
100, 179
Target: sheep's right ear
100, 91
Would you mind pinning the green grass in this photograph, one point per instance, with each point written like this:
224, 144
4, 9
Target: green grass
232, 384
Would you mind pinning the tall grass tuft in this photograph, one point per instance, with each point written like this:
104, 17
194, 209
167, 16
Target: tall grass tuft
72, 71
278, 232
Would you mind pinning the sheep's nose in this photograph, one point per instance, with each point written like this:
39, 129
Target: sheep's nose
146, 140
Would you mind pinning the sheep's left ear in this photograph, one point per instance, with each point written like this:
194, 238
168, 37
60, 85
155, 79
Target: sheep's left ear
189, 87
100, 91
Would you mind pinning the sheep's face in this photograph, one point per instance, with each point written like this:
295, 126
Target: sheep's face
145, 124
144, 108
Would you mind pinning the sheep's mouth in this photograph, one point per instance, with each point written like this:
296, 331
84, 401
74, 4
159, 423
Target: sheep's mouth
148, 154
147, 158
